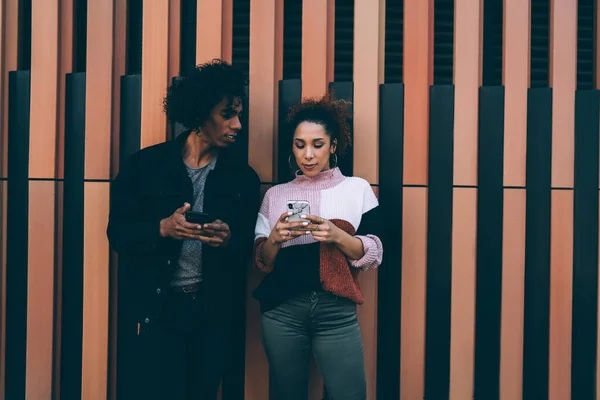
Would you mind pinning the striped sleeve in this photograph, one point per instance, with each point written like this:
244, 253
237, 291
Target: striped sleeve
369, 232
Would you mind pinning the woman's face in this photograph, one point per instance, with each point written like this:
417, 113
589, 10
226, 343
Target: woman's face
312, 148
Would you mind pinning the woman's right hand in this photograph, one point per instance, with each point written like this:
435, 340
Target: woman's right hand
284, 230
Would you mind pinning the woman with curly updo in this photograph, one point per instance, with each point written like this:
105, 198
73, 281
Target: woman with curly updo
312, 238
182, 218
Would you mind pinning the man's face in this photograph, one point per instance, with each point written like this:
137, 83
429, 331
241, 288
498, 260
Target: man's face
223, 124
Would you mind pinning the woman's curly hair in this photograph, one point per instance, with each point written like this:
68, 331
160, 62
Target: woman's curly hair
190, 99
332, 114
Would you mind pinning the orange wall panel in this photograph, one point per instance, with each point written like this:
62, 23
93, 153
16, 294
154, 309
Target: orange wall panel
414, 275
65, 66
227, 31
209, 25
10, 28
314, 47
516, 56
418, 76
513, 292
98, 90
174, 38
40, 298
561, 294
155, 50
265, 61
464, 265
369, 20
563, 80
467, 79
95, 291
44, 88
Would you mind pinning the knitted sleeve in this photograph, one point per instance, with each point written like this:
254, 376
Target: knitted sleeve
262, 231
369, 232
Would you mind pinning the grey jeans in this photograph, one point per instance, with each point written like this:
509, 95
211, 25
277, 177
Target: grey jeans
327, 325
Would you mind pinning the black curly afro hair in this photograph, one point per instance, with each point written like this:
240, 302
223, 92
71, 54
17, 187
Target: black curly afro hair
190, 99
332, 114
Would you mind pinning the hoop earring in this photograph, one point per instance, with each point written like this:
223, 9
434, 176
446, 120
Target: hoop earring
334, 162
291, 167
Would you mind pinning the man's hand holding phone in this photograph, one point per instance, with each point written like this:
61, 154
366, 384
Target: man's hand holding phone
183, 226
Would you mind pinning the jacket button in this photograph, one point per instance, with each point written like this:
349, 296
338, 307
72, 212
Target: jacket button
158, 290
147, 320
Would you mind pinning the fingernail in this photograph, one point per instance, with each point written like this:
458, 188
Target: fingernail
305, 223
290, 213
199, 226
303, 216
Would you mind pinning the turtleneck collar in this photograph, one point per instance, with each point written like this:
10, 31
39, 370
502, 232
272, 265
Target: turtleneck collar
323, 180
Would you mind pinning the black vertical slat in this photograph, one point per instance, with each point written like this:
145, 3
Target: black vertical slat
540, 43
240, 52
129, 136
443, 42
187, 44
394, 40
585, 246
73, 232
586, 35
79, 35
133, 52
131, 101
17, 235
24, 36
537, 244
345, 91
343, 54
290, 93
292, 39
439, 242
492, 42
240, 148
391, 150
233, 385
489, 242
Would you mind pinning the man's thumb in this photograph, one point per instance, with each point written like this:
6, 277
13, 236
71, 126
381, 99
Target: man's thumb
183, 209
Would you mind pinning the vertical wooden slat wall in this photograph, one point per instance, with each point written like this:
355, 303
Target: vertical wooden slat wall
497, 248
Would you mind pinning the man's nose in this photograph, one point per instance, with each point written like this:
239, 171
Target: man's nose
236, 124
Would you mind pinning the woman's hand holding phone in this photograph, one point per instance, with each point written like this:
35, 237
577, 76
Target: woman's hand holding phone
284, 230
323, 230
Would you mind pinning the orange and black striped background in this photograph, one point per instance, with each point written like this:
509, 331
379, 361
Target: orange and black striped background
476, 122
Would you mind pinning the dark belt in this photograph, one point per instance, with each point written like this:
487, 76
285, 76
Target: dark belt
193, 288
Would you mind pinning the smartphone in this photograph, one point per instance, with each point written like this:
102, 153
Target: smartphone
196, 217
298, 208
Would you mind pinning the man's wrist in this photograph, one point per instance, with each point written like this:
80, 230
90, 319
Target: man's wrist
161, 228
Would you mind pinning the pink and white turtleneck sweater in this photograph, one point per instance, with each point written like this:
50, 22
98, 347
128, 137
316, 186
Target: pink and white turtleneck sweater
349, 203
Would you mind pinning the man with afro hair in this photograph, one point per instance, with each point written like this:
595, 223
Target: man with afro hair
182, 220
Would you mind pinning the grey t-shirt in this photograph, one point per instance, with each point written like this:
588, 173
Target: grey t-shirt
189, 268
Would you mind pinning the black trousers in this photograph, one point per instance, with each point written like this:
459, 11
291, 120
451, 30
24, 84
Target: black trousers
191, 351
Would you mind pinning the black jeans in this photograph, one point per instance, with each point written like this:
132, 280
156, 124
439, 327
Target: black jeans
192, 352
326, 325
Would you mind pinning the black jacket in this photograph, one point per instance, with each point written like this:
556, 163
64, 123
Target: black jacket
151, 186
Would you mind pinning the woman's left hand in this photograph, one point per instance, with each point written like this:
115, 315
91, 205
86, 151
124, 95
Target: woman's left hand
323, 230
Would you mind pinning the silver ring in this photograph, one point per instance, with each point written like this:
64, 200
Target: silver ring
289, 233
